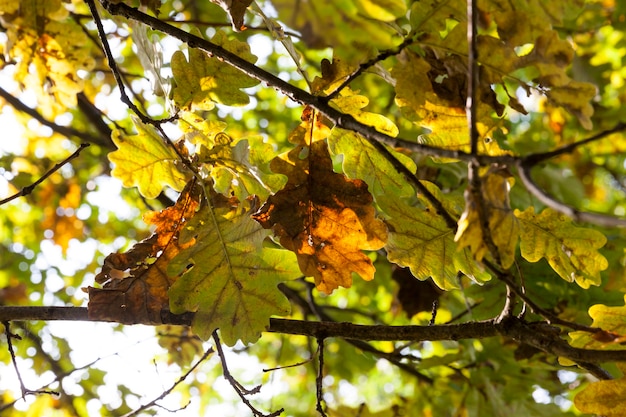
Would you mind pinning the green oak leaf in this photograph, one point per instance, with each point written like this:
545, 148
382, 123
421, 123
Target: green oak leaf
204, 80
420, 239
146, 161
571, 251
361, 160
232, 283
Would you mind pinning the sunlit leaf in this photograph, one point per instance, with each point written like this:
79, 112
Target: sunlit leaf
203, 81
571, 251
604, 398
146, 161
361, 160
325, 218
228, 279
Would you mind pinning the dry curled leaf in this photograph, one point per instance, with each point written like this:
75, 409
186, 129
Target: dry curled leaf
135, 283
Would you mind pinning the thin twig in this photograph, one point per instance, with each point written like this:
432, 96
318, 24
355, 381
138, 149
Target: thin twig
174, 385
366, 65
113, 65
241, 391
471, 106
25, 391
319, 387
523, 170
29, 188
533, 159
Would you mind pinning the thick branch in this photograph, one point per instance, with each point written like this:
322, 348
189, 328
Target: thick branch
540, 335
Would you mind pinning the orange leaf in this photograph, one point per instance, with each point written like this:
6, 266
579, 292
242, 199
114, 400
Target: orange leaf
135, 283
322, 216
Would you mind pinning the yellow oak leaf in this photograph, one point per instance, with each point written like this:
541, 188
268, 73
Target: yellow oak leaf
606, 398
571, 251
203, 80
612, 321
146, 161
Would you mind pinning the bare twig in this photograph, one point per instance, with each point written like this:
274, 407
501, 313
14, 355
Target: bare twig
241, 391
368, 64
523, 170
533, 159
113, 65
29, 188
174, 385
25, 391
319, 386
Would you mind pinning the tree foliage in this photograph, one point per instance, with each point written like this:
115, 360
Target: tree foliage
432, 192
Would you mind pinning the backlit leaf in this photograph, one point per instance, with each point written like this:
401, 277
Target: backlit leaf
135, 283
325, 218
571, 251
49, 48
204, 80
604, 398
228, 279
362, 160
144, 160
420, 239
352, 104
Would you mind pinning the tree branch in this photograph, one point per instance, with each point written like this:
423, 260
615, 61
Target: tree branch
66, 131
523, 169
29, 189
541, 335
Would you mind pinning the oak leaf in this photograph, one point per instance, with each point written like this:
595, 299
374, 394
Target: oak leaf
146, 161
203, 80
228, 278
135, 283
604, 398
571, 251
612, 321
421, 240
325, 218
361, 160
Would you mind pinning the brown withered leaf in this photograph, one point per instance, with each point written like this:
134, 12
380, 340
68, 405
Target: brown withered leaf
135, 283
324, 217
